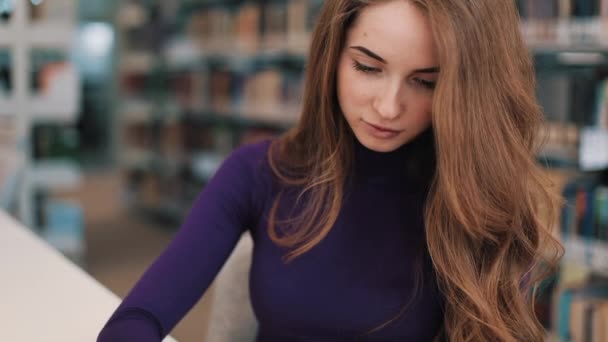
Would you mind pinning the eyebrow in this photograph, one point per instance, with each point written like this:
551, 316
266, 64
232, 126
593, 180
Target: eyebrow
369, 53
376, 57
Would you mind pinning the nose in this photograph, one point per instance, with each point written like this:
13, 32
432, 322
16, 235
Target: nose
390, 103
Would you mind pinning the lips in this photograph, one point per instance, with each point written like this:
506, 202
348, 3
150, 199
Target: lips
382, 129
380, 132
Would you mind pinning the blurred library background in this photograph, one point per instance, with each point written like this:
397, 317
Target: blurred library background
114, 114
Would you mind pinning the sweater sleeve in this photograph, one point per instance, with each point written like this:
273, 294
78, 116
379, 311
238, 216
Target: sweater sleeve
179, 277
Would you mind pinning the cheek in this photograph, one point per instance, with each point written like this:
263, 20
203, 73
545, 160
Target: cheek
352, 88
423, 109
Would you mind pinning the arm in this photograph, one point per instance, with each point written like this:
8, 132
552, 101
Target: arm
183, 272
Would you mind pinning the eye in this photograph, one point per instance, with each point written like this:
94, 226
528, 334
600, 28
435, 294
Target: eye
426, 84
364, 68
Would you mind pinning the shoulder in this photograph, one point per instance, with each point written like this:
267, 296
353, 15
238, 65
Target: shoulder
252, 152
248, 171
251, 156
247, 161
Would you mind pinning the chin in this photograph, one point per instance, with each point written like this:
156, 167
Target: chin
385, 148
382, 146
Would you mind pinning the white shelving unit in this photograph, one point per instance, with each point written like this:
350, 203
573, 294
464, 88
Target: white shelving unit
60, 105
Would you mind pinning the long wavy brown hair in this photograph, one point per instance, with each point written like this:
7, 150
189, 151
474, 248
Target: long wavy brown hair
490, 208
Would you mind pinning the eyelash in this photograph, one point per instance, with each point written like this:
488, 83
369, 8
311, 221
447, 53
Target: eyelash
369, 70
364, 68
427, 84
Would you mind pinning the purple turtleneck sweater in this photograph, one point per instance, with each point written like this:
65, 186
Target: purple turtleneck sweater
359, 277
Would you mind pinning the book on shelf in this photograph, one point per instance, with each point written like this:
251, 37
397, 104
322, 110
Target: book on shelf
6, 78
171, 140
64, 228
554, 94
583, 99
141, 136
55, 141
566, 23
543, 9
57, 11
41, 59
585, 214
254, 26
601, 109
58, 81
6, 12
581, 311
144, 31
262, 91
187, 89
297, 25
274, 24
575, 104
54, 79
269, 94
222, 85
214, 28
131, 15
578, 96
247, 28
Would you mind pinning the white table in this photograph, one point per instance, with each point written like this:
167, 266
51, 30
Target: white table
43, 296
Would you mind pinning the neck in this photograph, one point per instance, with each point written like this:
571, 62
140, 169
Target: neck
410, 165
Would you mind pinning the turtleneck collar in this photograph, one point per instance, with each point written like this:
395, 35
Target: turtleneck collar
410, 165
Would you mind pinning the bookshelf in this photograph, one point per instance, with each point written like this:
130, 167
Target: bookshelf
216, 74
227, 73
569, 41
42, 89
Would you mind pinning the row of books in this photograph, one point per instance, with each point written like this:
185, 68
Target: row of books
565, 23
55, 141
265, 94
577, 96
45, 66
146, 26
56, 10
575, 104
582, 311
586, 213
577, 298
6, 77
179, 140
166, 189
254, 25
39, 10
564, 34
154, 135
562, 8
52, 78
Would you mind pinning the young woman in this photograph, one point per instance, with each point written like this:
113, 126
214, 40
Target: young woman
406, 205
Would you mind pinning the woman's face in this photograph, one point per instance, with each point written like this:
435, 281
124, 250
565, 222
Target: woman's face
386, 75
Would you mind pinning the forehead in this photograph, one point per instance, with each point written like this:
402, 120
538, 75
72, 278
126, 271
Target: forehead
395, 30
